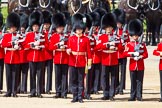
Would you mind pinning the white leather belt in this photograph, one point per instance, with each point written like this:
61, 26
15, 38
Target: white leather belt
109, 51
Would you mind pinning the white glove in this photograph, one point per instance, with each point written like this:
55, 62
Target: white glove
112, 47
68, 51
37, 47
112, 44
61, 43
62, 47
36, 43
136, 54
160, 53
136, 58
16, 47
89, 67
16, 42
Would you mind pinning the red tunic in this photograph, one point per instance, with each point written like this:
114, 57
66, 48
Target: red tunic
48, 53
96, 55
109, 58
135, 65
2, 52
33, 54
156, 52
60, 56
79, 45
120, 53
11, 56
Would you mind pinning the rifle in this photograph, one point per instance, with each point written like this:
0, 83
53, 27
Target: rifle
50, 32
28, 29
64, 38
66, 30
124, 31
3, 31
90, 33
39, 35
98, 34
138, 46
72, 32
114, 38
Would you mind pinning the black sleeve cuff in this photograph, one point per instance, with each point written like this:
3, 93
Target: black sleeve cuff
108, 46
32, 45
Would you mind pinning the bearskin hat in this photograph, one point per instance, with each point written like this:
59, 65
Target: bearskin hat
1, 19
78, 21
95, 18
67, 16
35, 17
120, 15
135, 27
88, 20
47, 15
58, 20
23, 20
101, 11
107, 20
13, 20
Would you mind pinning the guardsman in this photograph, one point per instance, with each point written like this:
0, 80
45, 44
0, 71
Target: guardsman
11, 43
47, 15
96, 55
122, 33
109, 45
24, 65
58, 43
137, 52
79, 56
35, 43
2, 53
88, 72
158, 52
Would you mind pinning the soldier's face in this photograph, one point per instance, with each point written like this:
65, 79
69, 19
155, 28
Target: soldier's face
22, 29
86, 30
35, 28
46, 26
119, 25
79, 31
13, 29
108, 29
59, 29
135, 37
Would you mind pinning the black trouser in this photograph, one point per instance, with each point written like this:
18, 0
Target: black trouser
121, 75
70, 82
24, 69
108, 88
93, 79
49, 67
88, 83
22, 75
11, 76
77, 79
161, 83
61, 79
1, 73
35, 70
96, 75
136, 83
